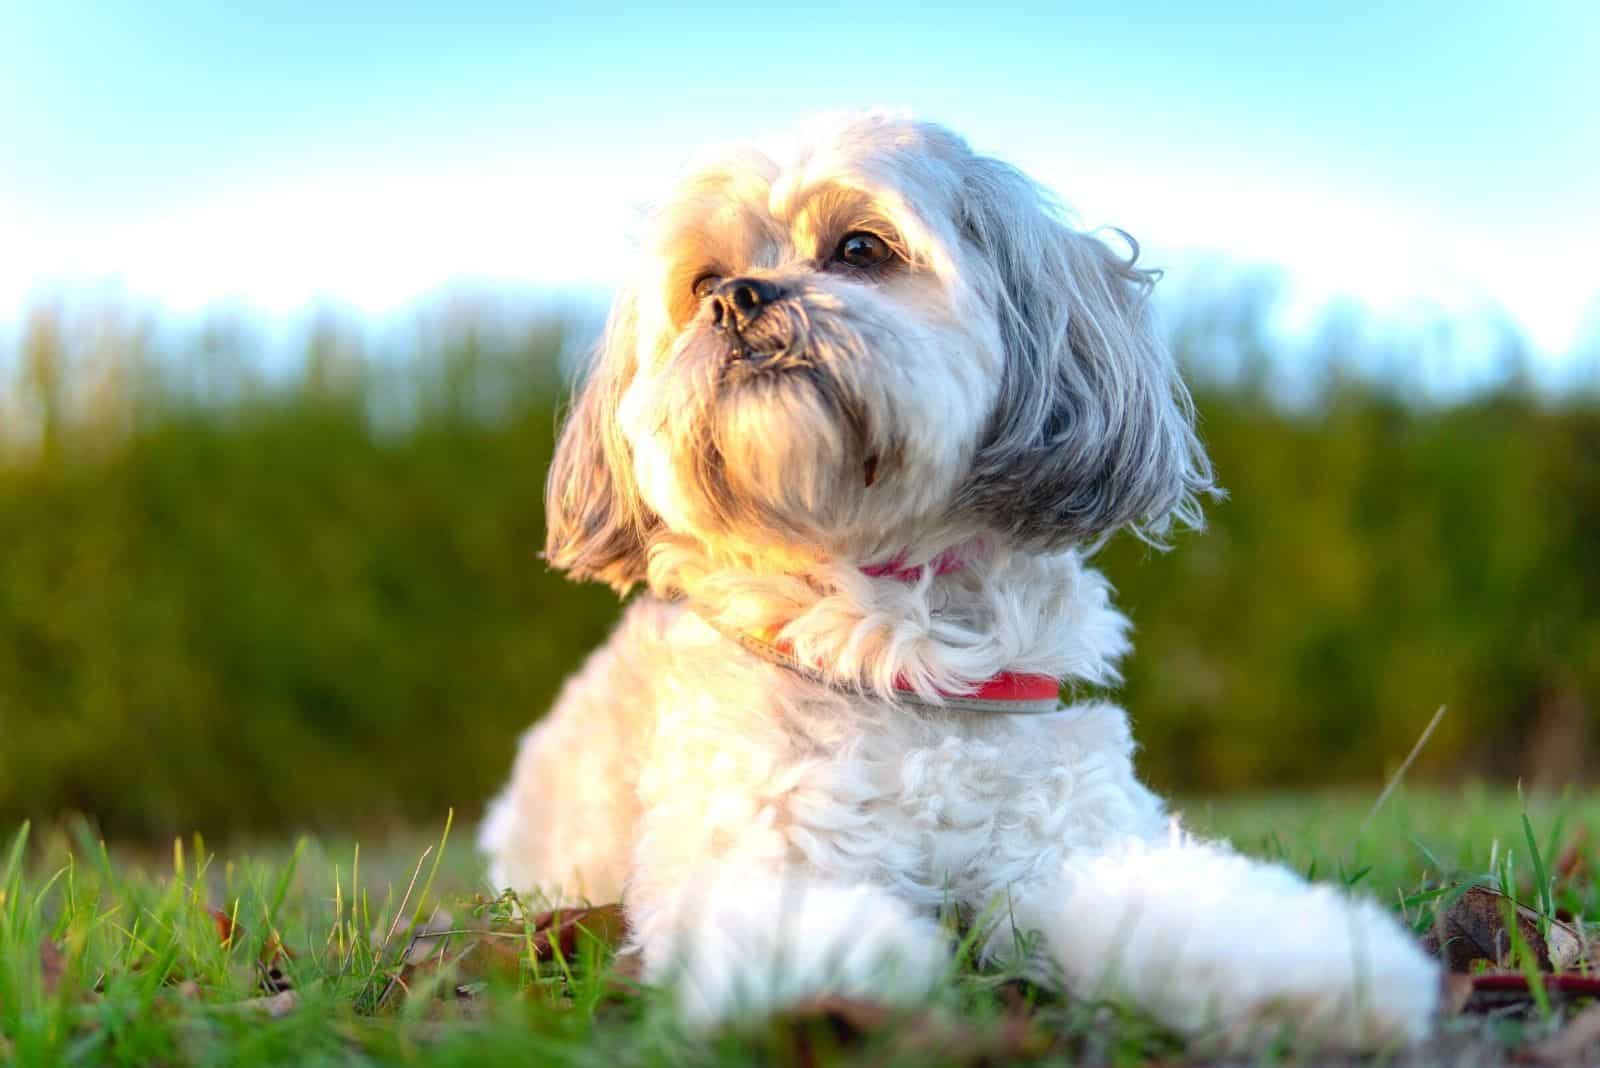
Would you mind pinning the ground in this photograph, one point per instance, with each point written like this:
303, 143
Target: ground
296, 952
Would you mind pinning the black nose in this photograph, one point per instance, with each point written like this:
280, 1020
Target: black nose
738, 302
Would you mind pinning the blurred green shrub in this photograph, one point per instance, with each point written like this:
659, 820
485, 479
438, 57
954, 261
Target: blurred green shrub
233, 597
229, 603
1373, 561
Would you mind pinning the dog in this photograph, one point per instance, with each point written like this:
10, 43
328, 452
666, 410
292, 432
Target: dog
857, 425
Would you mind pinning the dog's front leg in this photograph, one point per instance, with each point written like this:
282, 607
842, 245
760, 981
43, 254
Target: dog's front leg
1220, 946
739, 941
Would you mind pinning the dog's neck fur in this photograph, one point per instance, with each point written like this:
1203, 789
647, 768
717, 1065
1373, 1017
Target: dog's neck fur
1004, 611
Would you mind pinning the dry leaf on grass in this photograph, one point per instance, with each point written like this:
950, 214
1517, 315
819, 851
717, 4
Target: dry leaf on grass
1474, 929
491, 958
502, 953
53, 969
502, 950
560, 932
560, 928
51, 966
227, 930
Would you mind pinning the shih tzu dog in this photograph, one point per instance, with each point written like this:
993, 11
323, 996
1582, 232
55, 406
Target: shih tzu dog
856, 427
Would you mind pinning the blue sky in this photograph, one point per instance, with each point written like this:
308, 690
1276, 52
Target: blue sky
1427, 160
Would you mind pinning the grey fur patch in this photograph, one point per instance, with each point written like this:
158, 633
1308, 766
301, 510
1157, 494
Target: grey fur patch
1094, 428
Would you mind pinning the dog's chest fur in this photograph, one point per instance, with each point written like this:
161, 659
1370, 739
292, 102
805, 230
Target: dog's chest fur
942, 807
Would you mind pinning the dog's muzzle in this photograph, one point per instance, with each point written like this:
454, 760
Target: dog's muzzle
741, 309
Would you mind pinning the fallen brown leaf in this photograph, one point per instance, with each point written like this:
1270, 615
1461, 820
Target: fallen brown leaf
502, 953
494, 956
226, 928
52, 965
559, 928
1473, 929
1579, 1036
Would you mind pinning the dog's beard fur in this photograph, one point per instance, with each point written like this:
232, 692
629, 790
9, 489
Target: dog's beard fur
998, 379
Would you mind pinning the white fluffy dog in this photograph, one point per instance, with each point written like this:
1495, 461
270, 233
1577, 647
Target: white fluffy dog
855, 427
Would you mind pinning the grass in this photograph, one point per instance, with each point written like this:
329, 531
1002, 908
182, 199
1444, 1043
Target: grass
114, 957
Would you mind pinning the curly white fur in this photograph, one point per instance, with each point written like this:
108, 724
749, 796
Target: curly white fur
996, 386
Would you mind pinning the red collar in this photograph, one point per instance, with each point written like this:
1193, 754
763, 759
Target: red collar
1008, 692
946, 562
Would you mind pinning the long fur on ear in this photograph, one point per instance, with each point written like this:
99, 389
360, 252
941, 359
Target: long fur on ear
596, 523
1094, 429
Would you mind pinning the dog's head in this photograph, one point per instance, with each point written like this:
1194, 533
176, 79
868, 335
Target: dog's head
878, 341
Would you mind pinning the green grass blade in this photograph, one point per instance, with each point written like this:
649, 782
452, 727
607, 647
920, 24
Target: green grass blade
1541, 875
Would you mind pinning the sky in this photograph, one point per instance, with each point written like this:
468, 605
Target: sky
1426, 161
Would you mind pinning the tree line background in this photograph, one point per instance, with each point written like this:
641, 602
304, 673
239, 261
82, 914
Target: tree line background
240, 594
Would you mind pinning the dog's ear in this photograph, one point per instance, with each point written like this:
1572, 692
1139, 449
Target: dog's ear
596, 523
1094, 429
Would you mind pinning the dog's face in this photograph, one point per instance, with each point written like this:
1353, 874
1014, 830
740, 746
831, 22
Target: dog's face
879, 341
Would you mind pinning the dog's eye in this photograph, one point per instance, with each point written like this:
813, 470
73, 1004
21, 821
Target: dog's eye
703, 285
862, 249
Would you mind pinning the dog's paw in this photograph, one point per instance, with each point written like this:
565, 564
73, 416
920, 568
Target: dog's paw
745, 947
1237, 952
1349, 978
